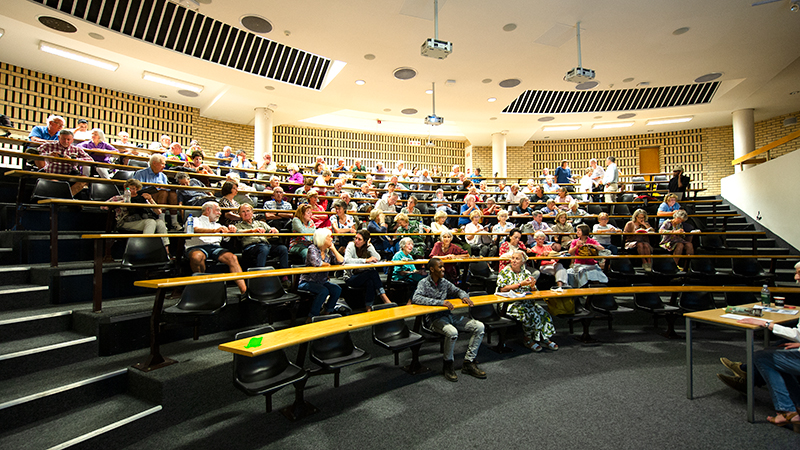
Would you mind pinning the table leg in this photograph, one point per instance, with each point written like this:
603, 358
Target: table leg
750, 377
155, 360
97, 282
689, 393
53, 235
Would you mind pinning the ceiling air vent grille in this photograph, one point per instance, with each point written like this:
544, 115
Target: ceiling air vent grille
565, 102
177, 28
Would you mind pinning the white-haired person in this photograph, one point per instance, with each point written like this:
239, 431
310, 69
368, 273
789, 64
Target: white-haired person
537, 324
295, 179
502, 226
477, 236
548, 266
442, 204
321, 253
414, 228
361, 251
446, 249
406, 272
778, 368
98, 142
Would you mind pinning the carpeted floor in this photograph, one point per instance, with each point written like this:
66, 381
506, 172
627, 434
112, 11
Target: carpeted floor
629, 392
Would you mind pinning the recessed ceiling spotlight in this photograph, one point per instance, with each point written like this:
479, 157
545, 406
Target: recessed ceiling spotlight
269, 88
369, 56
486, 80
361, 82
794, 92
205, 2
680, 31
99, 37
509, 27
707, 77
510, 83
404, 73
626, 116
795, 7
409, 111
256, 24
492, 118
429, 91
546, 119
162, 96
586, 85
188, 93
491, 99
597, 117
57, 24
627, 80
387, 109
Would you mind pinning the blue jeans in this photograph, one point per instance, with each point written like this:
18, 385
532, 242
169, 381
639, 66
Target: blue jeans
370, 281
258, 253
321, 292
780, 368
450, 325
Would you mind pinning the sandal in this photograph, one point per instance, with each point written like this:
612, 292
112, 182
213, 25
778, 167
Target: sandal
551, 345
787, 419
536, 347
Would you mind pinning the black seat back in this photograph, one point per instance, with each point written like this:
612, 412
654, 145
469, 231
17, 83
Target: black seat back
203, 298
664, 266
696, 301
594, 210
137, 163
480, 269
102, 192
331, 347
620, 210
249, 370
50, 189
484, 313
747, 267
622, 266
264, 288
647, 300
702, 266
122, 175
740, 298
389, 330
603, 302
144, 252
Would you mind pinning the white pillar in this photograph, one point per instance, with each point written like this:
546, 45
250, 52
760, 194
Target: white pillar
468, 161
744, 137
498, 155
262, 142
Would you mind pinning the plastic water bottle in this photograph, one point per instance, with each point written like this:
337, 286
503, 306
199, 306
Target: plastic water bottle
765, 296
190, 224
126, 196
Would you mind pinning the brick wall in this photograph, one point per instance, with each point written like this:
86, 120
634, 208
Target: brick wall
482, 159
215, 134
772, 129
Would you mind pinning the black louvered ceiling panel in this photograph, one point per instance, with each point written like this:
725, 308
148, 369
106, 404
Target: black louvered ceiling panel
174, 27
565, 102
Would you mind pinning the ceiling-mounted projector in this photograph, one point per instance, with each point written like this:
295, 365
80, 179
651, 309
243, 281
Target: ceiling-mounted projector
434, 48
433, 119
579, 75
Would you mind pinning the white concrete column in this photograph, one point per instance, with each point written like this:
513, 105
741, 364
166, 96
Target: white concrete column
262, 142
468, 164
498, 155
744, 137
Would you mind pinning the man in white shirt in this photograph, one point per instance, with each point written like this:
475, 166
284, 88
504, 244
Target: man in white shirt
514, 197
200, 248
611, 179
388, 204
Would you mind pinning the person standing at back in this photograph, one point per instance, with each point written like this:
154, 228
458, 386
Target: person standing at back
611, 179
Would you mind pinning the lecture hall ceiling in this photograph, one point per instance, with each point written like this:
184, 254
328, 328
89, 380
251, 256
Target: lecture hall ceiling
630, 44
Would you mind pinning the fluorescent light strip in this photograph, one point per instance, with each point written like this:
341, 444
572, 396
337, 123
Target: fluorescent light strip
604, 126
74, 55
561, 128
174, 82
668, 121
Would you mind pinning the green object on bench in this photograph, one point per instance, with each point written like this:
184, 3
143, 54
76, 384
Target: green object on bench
254, 342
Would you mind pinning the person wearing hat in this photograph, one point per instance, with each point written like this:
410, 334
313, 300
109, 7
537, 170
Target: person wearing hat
679, 183
82, 133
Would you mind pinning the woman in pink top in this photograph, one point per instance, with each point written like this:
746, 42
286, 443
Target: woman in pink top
584, 270
548, 266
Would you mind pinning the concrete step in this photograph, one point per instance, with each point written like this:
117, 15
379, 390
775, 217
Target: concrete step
13, 274
21, 296
24, 356
82, 425
26, 325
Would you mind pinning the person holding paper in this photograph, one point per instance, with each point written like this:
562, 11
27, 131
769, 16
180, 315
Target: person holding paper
537, 324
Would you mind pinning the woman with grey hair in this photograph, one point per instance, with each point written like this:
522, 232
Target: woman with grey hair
406, 272
98, 142
674, 240
321, 253
445, 249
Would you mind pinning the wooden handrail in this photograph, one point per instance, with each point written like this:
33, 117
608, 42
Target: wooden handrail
766, 148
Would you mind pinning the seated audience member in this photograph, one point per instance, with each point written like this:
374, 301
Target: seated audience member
323, 182
398, 168
359, 171
154, 173
529, 187
411, 207
640, 241
563, 226
601, 230
477, 236
425, 182
274, 182
256, 249
295, 178
438, 222
239, 163
267, 165
551, 209
445, 249
63, 148
278, 202
550, 267
302, 222
124, 138
406, 272
470, 204
349, 204
674, 241
321, 220
550, 187
575, 213
538, 195
228, 192
321, 253
195, 164
164, 143
582, 270
377, 224
341, 222
511, 245
225, 157
490, 207
502, 226
538, 224
362, 192
523, 212
667, 207
82, 133
97, 141
563, 198
442, 204
192, 197
502, 190
679, 183
340, 165
778, 368
537, 324
319, 167
390, 189
146, 220
387, 204
435, 290
49, 132
360, 251
175, 154
514, 196
202, 248
408, 226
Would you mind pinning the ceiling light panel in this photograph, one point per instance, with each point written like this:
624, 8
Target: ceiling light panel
75, 55
668, 121
174, 82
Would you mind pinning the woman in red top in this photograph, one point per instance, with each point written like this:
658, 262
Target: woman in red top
548, 266
445, 249
511, 244
321, 220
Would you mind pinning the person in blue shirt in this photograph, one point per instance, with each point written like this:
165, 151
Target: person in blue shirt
49, 132
470, 204
564, 174
154, 173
